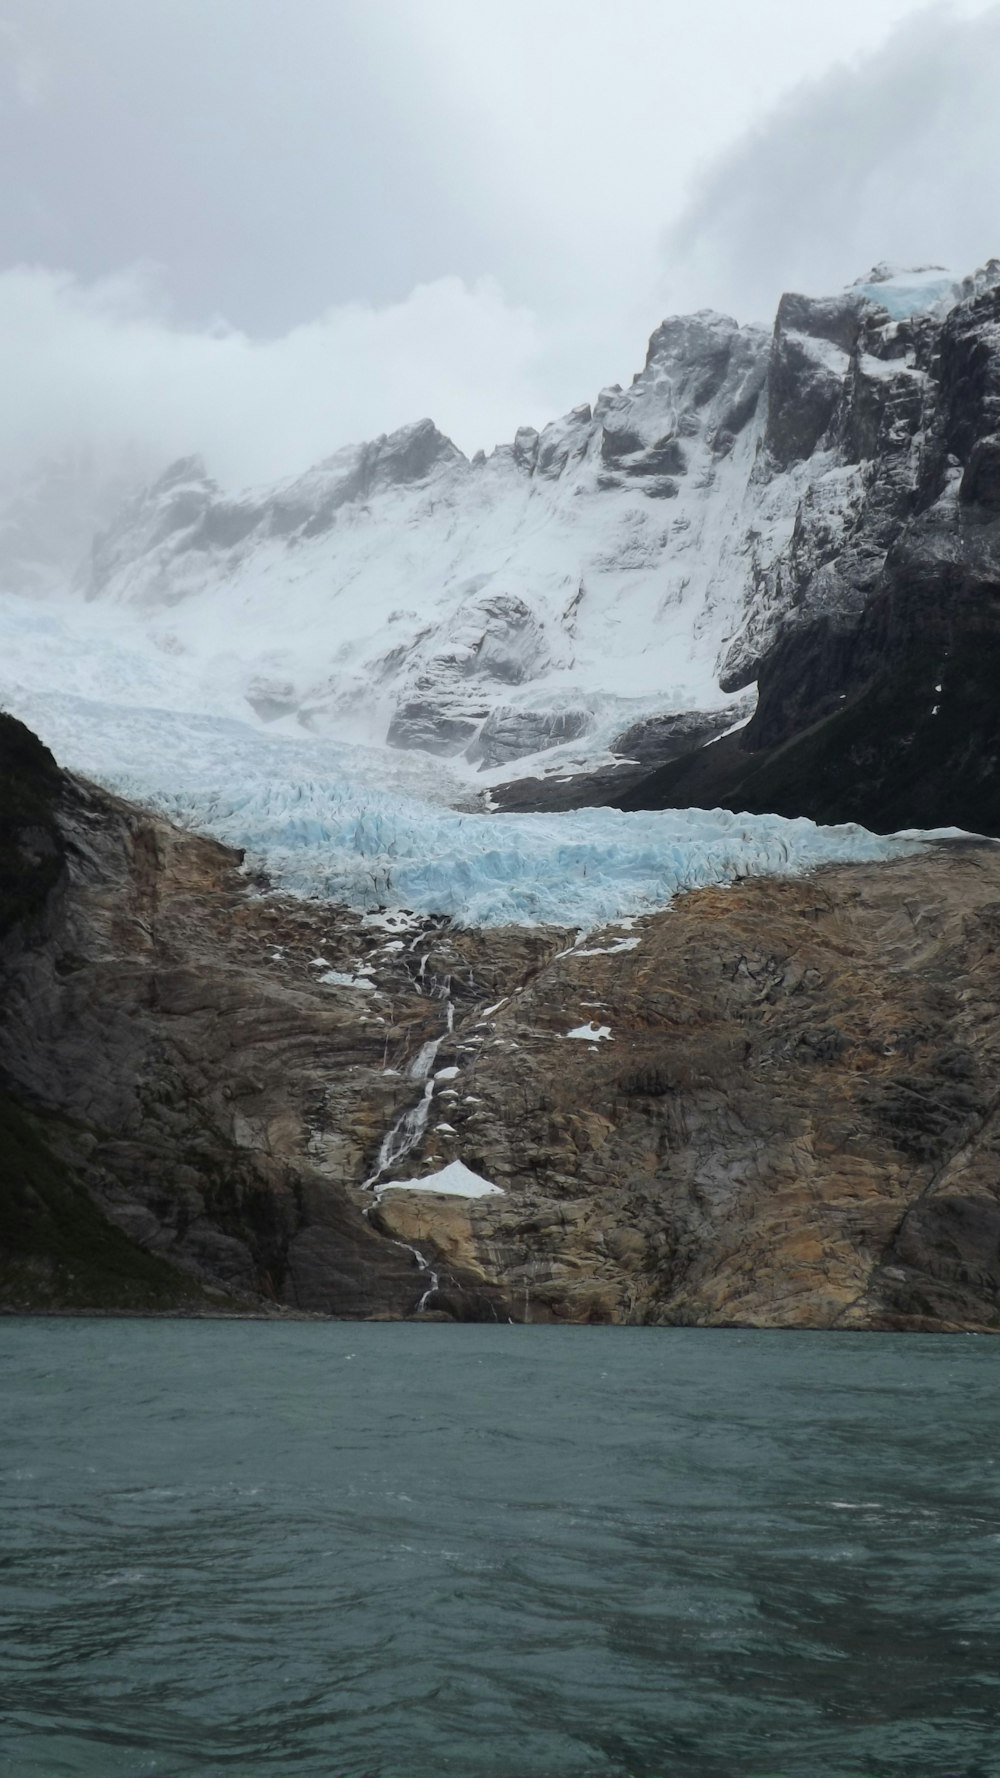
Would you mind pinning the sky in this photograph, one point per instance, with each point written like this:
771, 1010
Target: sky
264, 228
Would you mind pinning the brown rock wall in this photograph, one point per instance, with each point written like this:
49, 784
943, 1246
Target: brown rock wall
795, 1119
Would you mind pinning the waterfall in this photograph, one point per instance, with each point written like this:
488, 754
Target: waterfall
408, 1128
407, 1131
425, 1266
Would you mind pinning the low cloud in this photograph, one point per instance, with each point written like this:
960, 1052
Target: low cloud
891, 158
24, 66
100, 366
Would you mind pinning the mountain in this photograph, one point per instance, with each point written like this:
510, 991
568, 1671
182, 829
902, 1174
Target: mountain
603, 591
484, 610
378, 1047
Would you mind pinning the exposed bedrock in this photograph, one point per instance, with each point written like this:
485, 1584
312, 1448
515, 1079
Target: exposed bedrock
642, 749
787, 1115
773, 1105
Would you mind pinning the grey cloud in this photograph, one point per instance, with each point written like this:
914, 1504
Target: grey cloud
273, 161
893, 158
97, 368
266, 155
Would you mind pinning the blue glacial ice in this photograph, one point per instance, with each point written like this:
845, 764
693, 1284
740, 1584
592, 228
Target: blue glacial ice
309, 814
905, 293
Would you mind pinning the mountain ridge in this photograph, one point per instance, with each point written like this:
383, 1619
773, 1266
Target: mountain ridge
637, 559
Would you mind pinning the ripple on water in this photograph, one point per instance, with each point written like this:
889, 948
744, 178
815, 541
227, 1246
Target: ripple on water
496, 1553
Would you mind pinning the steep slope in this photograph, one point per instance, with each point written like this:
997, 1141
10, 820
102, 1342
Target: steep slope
774, 1105
874, 638
183, 1100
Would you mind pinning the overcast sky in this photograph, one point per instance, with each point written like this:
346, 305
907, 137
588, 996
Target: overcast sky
263, 228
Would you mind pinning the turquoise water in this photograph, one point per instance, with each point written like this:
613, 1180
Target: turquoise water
239, 1550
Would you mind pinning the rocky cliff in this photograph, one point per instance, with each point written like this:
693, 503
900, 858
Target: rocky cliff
771, 1105
873, 635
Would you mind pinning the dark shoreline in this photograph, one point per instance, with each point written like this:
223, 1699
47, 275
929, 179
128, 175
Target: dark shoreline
282, 1317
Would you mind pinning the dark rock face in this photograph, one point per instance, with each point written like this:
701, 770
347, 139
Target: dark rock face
812, 341
642, 748
31, 845
981, 481
185, 1108
877, 685
791, 1120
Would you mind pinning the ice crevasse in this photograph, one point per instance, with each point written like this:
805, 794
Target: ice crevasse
317, 830
584, 868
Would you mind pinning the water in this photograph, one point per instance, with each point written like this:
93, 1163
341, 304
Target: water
254, 1551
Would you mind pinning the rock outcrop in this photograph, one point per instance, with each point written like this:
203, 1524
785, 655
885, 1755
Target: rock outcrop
181, 1091
772, 1105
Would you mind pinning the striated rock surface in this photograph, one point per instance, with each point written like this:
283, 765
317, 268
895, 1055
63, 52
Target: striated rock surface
787, 1115
772, 1105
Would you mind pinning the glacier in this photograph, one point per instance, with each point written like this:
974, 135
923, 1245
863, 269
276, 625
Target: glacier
375, 828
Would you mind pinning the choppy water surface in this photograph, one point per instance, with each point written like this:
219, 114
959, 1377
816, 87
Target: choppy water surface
251, 1551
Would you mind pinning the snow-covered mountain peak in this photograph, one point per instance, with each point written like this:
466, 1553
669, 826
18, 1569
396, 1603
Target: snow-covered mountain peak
551, 598
184, 472
553, 592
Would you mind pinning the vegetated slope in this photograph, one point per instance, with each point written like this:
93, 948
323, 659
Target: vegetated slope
877, 648
773, 1105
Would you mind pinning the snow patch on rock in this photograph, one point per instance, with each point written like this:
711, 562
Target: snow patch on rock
455, 1181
